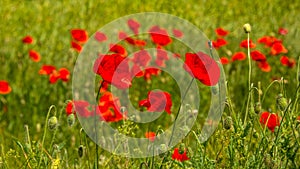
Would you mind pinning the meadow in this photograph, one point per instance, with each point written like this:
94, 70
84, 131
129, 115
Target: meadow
43, 125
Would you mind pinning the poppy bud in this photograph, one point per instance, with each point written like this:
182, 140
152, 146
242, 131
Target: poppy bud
257, 107
255, 134
227, 122
80, 151
123, 109
71, 120
52, 123
281, 102
215, 89
181, 148
162, 150
269, 163
247, 28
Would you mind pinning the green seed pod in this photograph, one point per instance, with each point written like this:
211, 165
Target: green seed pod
257, 107
247, 28
80, 151
52, 123
227, 123
71, 120
281, 102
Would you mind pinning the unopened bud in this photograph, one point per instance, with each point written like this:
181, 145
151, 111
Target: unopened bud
123, 109
281, 102
227, 122
52, 123
71, 120
257, 107
247, 28
80, 151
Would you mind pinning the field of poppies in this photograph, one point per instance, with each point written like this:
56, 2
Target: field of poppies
103, 84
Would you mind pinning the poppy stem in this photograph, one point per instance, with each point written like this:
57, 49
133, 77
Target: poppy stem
45, 131
95, 124
173, 129
249, 77
285, 112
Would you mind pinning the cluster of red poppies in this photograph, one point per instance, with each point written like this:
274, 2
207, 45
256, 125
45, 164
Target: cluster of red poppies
54, 74
272, 43
108, 108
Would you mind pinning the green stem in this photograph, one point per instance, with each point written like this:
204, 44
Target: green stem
285, 112
95, 124
54, 134
189, 86
44, 135
249, 77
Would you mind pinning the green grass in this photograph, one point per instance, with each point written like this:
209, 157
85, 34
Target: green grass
50, 24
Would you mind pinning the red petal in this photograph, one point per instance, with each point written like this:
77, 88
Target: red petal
79, 35
4, 87
99, 36
34, 55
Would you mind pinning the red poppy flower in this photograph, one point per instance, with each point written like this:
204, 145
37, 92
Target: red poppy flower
27, 40
150, 135
257, 56
219, 43
224, 60
81, 107
76, 46
161, 57
202, 67
287, 62
268, 40
239, 56
180, 156
109, 108
46, 70
160, 36
157, 101
278, 48
119, 49
149, 72
64, 74
221, 32
270, 120
134, 26
4, 87
100, 37
34, 55
244, 44
177, 33
69, 108
141, 58
264, 66
282, 31
79, 35
54, 76
114, 69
